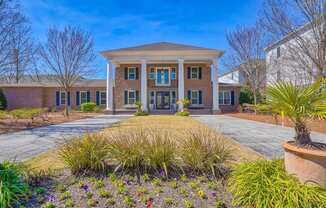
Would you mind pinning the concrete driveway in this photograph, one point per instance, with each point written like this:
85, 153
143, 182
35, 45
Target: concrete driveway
264, 138
26, 144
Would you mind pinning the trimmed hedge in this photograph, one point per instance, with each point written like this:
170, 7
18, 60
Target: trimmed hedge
182, 113
88, 107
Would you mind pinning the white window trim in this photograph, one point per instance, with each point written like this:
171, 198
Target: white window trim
194, 104
60, 100
197, 68
130, 105
100, 97
223, 91
175, 72
159, 68
132, 67
80, 97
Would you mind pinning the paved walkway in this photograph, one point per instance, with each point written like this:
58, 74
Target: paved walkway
262, 137
26, 144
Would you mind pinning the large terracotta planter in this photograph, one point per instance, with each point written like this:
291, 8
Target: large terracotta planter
308, 165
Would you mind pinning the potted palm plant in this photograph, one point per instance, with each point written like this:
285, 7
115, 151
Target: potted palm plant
303, 157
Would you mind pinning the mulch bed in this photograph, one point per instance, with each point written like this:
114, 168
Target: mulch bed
12, 125
314, 125
124, 191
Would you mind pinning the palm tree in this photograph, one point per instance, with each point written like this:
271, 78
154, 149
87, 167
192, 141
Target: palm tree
299, 104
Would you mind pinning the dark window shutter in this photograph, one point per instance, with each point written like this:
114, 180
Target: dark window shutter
199, 73
188, 72
126, 73
137, 95
88, 96
77, 98
200, 94
97, 98
189, 94
68, 98
137, 73
126, 97
57, 98
232, 97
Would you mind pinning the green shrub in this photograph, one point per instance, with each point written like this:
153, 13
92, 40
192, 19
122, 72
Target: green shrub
265, 183
246, 96
88, 107
27, 113
12, 185
263, 109
204, 150
3, 100
97, 109
182, 113
85, 154
141, 113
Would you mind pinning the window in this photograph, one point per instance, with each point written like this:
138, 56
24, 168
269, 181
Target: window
152, 99
174, 97
278, 75
173, 74
131, 99
194, 73
83, 97
62, 98
278, 52
224, 98
152, 74
194, 97
163, 76
132, 73
102, 98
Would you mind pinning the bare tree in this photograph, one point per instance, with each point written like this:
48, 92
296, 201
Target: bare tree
247, 53
67, 55
301, 25
22, 52
10, 19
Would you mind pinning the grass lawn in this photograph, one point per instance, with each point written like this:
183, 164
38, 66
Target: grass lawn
176, 124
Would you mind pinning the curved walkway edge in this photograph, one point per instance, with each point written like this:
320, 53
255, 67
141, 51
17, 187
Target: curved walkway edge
29, 143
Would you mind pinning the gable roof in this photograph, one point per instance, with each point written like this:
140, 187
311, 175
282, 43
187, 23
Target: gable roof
160, 47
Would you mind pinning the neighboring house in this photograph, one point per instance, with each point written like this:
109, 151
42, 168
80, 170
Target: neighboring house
284, 61
238, 76
159, 74
156, 74
42, 92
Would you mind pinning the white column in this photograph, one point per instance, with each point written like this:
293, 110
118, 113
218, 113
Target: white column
143, 85
181, 84
215, 86
109, 86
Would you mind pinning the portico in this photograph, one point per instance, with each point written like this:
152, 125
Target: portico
159, 74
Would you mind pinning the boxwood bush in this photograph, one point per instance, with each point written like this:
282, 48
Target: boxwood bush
88, 107
265, 183
182, 113
27, 113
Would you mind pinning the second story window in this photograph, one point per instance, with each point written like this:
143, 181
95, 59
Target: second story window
278, 52
152, 74
131, 73
194, 73
162, 76
173, 74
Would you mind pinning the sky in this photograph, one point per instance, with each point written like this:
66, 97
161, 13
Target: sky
125, 23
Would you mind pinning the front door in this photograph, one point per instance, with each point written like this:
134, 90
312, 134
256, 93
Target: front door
162, 100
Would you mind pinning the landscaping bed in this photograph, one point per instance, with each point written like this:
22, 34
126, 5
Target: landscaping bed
9, 124
156, 161
313, 124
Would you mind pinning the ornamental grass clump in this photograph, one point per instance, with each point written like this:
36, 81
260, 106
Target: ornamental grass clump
86, 154
12, 185
204, 151
265, 183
